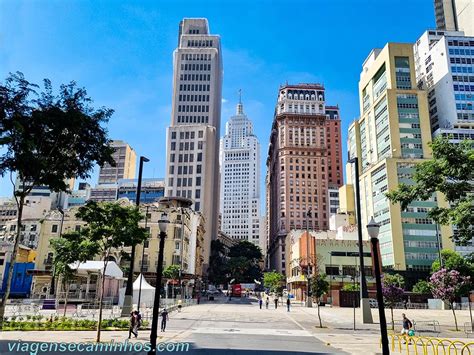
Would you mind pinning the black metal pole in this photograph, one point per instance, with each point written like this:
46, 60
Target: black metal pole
156, 304
378, 280
141, 266
129, 290
363, 283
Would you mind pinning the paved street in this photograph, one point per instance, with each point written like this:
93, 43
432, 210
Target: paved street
240, 327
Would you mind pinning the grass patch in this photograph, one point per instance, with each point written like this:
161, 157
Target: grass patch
64, 324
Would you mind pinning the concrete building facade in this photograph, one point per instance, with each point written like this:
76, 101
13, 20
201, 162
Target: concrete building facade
192, 160
240, 179
455, 15
304, 159
444, 62
391, 136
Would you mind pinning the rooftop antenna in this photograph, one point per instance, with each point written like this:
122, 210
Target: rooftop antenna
240, 107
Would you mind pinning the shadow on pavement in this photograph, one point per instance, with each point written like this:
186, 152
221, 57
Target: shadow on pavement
36, 348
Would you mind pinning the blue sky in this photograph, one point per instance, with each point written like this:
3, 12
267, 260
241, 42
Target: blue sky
121, 52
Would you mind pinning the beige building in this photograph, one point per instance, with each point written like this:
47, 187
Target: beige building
455, 15
125, 160
336, 258
192, 157
185, 241
389, 139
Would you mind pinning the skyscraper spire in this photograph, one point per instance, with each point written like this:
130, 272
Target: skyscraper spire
240, 107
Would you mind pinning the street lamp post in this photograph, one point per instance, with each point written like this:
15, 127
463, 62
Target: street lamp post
163, 224
373, 230
364, 294
181, 256
141, 266
309, 304
128, 299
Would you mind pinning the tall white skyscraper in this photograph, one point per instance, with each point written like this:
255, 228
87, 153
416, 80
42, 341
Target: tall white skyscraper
240, 179
192, 161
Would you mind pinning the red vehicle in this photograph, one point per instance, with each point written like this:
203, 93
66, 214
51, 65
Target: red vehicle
236, 290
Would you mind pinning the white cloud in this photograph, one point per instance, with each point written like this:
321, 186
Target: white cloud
224, 100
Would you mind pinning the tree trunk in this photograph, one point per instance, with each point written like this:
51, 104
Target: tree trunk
319, 316
65, 298
16, 246
393, 323
455, 319
101, 297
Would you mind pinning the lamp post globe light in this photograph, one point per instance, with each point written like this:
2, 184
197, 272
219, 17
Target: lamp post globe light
373, 230
163, 225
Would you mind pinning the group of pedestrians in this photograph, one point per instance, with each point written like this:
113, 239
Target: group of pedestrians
267, 303
136, 322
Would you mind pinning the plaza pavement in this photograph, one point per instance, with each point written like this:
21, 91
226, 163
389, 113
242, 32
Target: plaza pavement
240, 327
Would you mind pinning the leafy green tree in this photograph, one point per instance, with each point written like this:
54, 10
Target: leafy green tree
68, 249
393, 291
247, 250
451, 172
171, 272
45, 139
243, 264
446, 285
422, 287
217, 260
109, 226
319, 287
454, 261
351, 287
274, 281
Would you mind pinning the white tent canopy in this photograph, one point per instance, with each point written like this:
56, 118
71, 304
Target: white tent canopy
147, 296
113, 270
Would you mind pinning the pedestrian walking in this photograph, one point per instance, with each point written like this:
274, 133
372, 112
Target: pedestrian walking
407, 327
260, 302
164, 318
288, 303
133, 328
267, 302
276, 303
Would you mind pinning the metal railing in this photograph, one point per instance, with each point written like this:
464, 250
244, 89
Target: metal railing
428, 345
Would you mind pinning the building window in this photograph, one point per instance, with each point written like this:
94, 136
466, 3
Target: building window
54, 228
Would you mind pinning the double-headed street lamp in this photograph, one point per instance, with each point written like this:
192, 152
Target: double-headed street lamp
128, 299
373, 230
52, 290
163, 225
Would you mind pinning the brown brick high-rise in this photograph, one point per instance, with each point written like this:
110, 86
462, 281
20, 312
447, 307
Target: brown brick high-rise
304, 159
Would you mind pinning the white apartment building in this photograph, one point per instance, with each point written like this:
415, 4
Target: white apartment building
193, 137
240, 176
444, 63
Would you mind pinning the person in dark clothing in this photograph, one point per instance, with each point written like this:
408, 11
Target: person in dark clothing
288, 303
164, 318
276, 303
260, 302
133, 329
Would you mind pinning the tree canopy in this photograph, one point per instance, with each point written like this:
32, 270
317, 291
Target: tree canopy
45, 139
274, 281
451, 172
